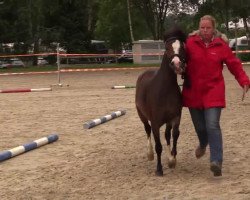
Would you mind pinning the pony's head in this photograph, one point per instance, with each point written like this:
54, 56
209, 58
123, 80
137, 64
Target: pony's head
174, 41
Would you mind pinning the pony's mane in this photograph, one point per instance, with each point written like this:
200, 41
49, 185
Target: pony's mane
175, 32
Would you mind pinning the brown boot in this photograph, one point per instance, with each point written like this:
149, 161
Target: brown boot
199, 152
215, 167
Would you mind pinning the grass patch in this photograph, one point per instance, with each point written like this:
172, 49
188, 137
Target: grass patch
77, 66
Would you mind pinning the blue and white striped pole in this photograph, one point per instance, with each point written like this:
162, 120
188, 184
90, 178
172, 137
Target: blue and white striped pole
104, 119
4, 155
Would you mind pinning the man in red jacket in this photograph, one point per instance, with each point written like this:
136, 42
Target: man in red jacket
204, 88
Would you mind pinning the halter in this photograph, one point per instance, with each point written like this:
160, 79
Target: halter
170, 39
182, 59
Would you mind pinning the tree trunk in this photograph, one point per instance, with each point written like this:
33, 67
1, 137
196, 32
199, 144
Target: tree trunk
90, 15
130, 22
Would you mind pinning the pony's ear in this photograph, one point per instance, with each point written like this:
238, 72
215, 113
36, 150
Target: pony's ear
182, 35
177, 32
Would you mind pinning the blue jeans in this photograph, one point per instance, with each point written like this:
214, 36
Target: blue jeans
207, 126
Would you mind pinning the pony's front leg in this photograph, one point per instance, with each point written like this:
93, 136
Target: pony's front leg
158, 149
170, 157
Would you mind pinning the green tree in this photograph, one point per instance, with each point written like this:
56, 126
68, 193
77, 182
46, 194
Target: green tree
13, 22
226, 10
73, 24
241, 9
155, 13
20, 24
113, 25
35, 22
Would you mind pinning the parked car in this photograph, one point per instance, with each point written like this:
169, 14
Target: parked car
1, 63
13, 62
16, 62
126, 56
42, 61
4, 65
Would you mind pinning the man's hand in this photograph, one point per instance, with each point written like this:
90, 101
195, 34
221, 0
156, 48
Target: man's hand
245, 89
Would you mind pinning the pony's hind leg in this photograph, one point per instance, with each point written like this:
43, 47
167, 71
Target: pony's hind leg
175, 134
170, 157
147, 127
150, 152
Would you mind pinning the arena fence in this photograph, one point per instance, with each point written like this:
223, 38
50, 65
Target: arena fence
64, 59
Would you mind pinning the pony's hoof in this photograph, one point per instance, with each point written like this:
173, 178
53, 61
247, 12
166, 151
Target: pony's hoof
159, 173
150, 157
172, 163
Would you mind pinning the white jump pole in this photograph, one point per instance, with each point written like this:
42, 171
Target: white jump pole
122, 86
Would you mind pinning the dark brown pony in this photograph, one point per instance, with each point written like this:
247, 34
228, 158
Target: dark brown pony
158, 98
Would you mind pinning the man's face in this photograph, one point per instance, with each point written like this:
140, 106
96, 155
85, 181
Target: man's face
206, 30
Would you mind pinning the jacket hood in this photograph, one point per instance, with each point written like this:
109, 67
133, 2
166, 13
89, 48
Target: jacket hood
216, 34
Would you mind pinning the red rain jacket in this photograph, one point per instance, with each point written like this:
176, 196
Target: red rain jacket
204, 73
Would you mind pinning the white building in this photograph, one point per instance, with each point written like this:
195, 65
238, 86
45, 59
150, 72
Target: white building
239, 25
241, 42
